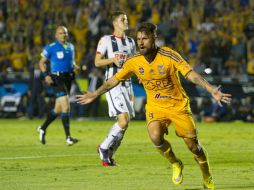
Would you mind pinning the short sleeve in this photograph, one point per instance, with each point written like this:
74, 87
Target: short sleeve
181, 64
184, 68
125, 72
46, 52
102, 45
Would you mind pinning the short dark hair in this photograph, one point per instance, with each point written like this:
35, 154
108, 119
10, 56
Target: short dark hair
148, 28
116, 14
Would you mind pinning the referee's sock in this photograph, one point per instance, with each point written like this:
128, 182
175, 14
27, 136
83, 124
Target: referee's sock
50, 118
66, 123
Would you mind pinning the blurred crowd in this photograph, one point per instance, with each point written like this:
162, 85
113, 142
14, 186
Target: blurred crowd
215, 36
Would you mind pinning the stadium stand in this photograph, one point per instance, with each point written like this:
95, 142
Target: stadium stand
216, 37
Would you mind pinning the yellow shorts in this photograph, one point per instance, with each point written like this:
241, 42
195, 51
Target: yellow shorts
179, 115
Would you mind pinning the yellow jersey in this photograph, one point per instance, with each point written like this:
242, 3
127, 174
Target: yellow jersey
160, 78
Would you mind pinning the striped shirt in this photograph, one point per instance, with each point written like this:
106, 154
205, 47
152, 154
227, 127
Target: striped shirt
112, 46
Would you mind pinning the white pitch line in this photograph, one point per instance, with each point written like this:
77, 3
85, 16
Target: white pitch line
65, 155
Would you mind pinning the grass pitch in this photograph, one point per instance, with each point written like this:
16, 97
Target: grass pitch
25, 164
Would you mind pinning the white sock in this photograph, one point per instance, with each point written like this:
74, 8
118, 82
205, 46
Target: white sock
114, 132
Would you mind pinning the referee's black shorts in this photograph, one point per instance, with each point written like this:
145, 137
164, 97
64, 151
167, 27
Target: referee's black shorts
62, 83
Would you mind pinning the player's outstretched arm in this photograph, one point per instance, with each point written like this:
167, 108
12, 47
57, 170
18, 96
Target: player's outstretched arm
214, 91
88, 97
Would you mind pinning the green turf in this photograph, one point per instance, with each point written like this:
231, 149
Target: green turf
25, 164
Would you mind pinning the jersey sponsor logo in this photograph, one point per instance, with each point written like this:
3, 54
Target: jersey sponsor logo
158, 84
141, 70
60, 55
159, 96
121, 56
161, 69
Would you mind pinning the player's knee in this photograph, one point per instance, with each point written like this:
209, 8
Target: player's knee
198, 151
156, 138
158, 143
57, 109
194, 146
123, 122
164, 146
66, 109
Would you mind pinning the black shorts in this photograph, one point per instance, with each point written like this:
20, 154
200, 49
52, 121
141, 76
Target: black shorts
62, 83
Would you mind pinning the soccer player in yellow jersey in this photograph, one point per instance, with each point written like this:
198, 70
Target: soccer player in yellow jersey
158, 70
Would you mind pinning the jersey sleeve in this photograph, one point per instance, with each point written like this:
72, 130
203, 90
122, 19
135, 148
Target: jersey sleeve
46, 52
102, 46
125, 72
181, 65
184, 68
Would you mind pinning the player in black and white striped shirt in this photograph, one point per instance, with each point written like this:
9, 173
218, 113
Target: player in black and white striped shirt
112, 52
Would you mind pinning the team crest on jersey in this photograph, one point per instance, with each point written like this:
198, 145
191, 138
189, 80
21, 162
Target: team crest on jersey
121, 105
60, 54
161, 69
141, 70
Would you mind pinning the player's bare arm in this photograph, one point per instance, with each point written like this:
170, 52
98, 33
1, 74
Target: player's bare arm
42, 65
101, 62
90, 96
76, 68
214, 91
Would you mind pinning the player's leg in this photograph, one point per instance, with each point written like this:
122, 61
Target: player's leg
185, 127
65, 117
118, 106
52, 115
122, 121
156, 130
201, 157
113, 140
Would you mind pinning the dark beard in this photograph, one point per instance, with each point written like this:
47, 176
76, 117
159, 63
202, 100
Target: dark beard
151, 54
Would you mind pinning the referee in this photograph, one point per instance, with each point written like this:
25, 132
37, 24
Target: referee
60, 55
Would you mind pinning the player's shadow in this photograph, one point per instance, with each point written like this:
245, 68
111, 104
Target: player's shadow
237, 187
226, 187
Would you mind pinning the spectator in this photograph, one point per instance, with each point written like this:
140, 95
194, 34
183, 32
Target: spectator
36, 103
